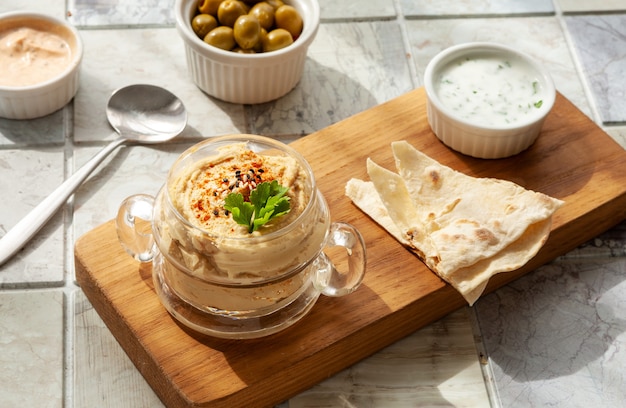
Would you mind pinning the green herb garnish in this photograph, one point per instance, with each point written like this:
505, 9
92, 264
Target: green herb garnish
267, 201
535, 87
538, 104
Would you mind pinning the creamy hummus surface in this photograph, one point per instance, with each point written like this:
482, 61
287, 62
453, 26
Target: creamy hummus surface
199, 193
216, 248
31, 55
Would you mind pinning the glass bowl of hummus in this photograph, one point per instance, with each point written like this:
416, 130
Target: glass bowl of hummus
246, 76
487, 100
40, 58
240, 238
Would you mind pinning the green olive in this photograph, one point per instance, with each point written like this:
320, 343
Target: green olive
247, 26
221, 37
209, 6
262, 39
275, 3
230, 10
247, 30
242, 51
264, 13
287, 17
202, 24
277, 39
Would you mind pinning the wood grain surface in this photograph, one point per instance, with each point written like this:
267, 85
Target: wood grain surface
573, 160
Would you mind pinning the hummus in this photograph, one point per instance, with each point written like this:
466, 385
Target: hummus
29, 56
220, 264
199, 194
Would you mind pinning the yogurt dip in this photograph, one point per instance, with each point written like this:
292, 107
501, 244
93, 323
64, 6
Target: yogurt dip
33, 52
490, 90
219, 265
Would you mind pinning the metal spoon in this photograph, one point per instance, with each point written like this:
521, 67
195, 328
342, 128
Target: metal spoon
138, 113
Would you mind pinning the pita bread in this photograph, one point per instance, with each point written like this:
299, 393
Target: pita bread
465, 229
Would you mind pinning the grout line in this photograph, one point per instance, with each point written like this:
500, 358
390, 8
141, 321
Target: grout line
401, 19
578, 66
68, 349
68, 287
484, 361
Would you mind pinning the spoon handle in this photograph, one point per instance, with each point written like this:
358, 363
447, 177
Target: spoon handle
28, 226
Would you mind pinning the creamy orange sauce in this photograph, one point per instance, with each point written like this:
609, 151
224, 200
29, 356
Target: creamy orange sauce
29, 56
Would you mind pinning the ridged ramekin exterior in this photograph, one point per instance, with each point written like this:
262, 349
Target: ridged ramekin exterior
246, 78
479, 142
473, 140
245, 84
42, 99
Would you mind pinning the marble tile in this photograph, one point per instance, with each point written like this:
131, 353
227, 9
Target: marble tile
555, 337
53, 8
98, 200
435, 366
350, 68
103, 376
600, 44
350, 10
540, 37
411, 8
120, 13
582, 6
34, 173
153, 56
47, 130
31, 340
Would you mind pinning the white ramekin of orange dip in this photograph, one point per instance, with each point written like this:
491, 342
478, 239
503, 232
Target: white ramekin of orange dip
40, 58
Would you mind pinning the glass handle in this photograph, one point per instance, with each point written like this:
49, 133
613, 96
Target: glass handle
341, 266
134, 227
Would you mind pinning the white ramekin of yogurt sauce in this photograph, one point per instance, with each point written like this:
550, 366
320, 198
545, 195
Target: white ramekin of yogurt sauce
40, 59
487, 100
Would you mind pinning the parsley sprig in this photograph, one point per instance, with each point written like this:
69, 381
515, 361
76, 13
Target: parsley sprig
267, 201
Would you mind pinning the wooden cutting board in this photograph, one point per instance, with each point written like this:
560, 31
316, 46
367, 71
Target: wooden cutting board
573, 160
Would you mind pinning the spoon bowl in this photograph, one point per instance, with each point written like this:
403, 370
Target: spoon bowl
141, 113
146, 113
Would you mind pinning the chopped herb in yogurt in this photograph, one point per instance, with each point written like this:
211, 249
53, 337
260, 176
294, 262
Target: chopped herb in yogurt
488, 90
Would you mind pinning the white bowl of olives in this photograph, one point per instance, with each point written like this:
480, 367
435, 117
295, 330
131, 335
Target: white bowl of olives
246, 51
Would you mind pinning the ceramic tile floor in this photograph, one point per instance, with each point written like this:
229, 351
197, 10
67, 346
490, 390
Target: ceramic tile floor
56, 350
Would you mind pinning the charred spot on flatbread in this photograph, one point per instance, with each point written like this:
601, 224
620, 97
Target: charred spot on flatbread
434, 177
483, 234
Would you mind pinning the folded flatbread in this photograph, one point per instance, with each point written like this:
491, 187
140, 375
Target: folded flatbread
465, 229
